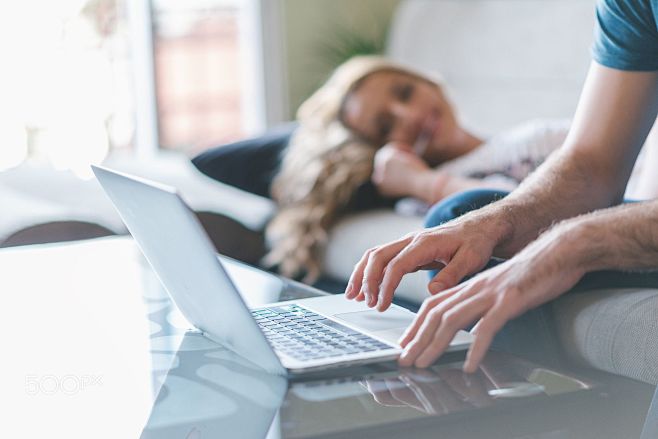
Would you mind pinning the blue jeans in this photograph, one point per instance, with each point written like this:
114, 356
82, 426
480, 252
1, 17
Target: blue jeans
533, 334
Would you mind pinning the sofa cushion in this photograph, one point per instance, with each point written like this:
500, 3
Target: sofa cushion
249, 164
612, 329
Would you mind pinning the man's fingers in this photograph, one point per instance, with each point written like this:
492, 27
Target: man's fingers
427, 306
357, 283
423, 338
432, 320
453, 320
354, 284
484, 332
418, 253
463, 263
378, 259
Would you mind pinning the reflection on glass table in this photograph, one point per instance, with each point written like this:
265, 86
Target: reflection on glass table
389, 398
210, 391
446, 389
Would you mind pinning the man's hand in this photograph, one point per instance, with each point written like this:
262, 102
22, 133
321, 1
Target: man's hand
460, 247
542, 271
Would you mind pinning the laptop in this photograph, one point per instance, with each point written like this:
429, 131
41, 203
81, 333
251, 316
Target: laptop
285, 338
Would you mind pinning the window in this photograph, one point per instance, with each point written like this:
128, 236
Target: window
82, 79
66, 87
197, 73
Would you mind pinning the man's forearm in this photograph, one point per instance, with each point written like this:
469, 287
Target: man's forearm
619, 238
615, 113
567, 185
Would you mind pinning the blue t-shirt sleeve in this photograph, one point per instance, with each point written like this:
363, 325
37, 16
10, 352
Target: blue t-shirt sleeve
626, 34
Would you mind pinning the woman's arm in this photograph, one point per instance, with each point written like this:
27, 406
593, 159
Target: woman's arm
399, 173
434, 185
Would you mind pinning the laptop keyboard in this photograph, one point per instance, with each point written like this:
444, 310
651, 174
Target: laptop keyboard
305, 335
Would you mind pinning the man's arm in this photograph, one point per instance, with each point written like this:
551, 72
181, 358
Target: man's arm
624, 238
590, 171
614, 115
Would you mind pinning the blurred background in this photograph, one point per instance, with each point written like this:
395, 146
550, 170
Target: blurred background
84, 79
142, 86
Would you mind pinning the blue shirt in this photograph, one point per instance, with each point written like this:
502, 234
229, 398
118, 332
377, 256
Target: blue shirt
626, 35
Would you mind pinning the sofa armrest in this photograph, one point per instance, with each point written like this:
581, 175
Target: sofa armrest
615, 330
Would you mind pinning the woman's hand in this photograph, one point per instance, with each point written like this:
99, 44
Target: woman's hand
545, 269
398, 172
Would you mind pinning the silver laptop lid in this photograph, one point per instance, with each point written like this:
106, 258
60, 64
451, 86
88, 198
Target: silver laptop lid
178, 249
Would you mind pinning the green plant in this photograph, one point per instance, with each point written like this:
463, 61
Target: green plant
349, 42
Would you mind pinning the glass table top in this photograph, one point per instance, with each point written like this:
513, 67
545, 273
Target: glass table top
97, 349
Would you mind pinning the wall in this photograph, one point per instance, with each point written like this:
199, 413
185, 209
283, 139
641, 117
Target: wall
503, 62
311, 28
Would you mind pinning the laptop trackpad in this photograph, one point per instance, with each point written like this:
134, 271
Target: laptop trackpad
373, 321
388, 325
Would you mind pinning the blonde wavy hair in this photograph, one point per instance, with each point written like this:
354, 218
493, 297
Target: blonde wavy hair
324, 164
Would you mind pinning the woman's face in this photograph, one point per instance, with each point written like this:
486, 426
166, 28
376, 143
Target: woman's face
391, 106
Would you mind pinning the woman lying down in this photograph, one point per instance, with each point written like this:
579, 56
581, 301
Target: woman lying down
374, 133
